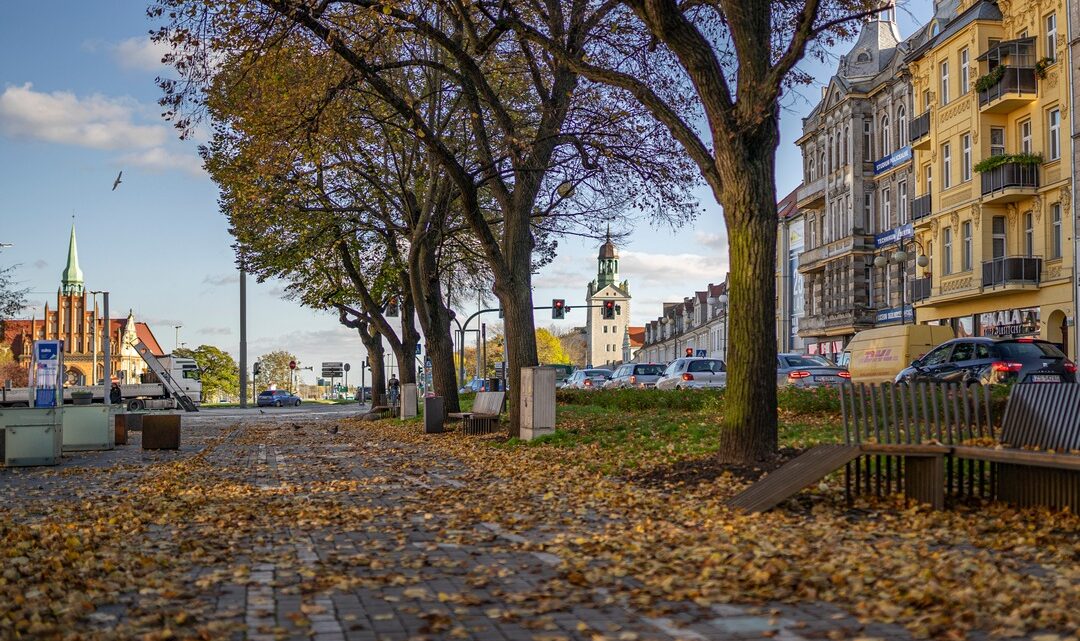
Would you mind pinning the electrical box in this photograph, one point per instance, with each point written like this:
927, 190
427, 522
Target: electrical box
32, 436
87, 427
537, 402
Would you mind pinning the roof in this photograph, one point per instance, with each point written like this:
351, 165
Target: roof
607, 250
637, 336
72, 277
15, 329
981, 10
788, 205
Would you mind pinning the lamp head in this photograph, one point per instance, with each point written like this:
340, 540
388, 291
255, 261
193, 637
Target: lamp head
922, 261
899, 256
880, 261
723, 299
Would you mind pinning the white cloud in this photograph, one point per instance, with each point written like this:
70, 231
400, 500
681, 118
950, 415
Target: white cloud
40, 264
95, 121
216, 280
140, 53
158, 159
712, 241
686, 272
215, 331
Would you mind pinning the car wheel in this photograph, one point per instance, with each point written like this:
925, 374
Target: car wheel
277, 403
298, 402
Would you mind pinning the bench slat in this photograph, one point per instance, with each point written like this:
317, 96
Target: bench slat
1019, 457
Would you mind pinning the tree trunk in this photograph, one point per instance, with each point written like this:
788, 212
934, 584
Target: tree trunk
749, 201
376, 354
410, 338
515, 294
434, 320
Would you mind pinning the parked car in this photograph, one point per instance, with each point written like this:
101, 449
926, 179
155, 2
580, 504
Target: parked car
277, 398
475, 385
992, 360
592, 379
636, 376
693, 373
801, 370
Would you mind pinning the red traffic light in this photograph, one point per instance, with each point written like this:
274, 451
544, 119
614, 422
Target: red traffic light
292, 364
559, 303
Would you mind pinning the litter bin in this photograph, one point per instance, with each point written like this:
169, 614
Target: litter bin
433, 415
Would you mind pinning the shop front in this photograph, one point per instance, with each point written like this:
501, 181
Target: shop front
1019, 322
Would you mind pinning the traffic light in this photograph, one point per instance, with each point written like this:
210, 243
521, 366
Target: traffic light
607, 312
689, 351
255, 368
558, 309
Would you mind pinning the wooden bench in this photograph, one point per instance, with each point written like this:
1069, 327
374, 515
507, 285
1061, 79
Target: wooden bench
484, 414
1038, 459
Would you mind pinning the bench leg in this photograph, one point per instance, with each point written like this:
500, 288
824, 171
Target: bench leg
924, 480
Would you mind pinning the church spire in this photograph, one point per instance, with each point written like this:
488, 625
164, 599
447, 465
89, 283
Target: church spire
72, 278
608, 263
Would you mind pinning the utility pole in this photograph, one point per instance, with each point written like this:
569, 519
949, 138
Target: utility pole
176, 337
243, 337
483, 346
107, 347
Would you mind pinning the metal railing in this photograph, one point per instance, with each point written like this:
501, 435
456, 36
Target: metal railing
811, 189
1011, 269
920, 126
1010, 175
920, 207
1020, 80
920, 289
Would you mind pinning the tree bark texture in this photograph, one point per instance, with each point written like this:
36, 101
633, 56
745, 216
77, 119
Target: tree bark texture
434, 319
405, 352
515, 294
375, 358
749, 201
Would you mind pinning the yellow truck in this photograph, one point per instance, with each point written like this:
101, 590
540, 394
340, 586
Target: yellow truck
878, 355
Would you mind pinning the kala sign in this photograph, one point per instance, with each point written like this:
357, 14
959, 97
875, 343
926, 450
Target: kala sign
1010, 322
895, 159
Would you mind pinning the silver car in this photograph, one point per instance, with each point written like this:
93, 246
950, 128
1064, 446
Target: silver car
590, 379
694, 373
635, 376
801, 370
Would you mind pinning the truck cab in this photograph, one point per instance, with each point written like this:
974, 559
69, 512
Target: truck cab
185, 371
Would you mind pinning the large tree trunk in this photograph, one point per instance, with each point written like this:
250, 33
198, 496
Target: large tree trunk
376, 355
749, 200
434, 320
515, 294
405, 348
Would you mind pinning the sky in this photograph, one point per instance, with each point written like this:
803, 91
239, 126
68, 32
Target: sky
80, 105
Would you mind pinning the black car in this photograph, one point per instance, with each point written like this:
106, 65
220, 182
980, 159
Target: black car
992, 360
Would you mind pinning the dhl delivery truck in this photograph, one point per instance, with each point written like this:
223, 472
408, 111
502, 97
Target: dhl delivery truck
877, 355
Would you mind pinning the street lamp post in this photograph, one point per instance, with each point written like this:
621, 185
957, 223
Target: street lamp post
900, 257
176, 336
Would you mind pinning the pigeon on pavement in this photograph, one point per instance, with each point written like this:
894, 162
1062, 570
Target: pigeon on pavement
333, 429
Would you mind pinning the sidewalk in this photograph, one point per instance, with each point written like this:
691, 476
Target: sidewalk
293, 530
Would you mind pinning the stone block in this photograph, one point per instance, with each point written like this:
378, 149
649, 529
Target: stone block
161, 432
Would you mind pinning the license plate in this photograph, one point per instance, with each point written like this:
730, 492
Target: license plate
1045, 378
825, 379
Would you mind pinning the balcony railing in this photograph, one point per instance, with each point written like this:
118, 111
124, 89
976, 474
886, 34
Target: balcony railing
1015, 80
812, 192
920, 207
920, 126
1010, 175
1007, 270
859, 316
920, 289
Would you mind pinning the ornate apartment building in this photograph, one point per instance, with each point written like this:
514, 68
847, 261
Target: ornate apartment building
856, 192
994, 171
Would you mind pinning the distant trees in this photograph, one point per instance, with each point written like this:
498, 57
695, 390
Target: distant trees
219, 373
12, 297
274, 370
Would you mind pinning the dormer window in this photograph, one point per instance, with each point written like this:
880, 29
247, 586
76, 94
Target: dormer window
863, 57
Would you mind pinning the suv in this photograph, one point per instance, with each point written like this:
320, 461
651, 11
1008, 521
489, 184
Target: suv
277, 398
693, 373
989, 360
635, 376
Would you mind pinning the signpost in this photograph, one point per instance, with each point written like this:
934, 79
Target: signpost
333, 370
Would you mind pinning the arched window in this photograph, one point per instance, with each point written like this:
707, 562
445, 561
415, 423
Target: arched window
901, 126
847, 145
809, 168
821, 169
886, 147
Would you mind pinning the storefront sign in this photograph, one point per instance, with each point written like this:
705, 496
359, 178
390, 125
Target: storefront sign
902, 232
1010, 322
895, 159
892, 315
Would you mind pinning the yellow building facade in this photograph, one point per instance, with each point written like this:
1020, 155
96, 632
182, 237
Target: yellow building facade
993, 171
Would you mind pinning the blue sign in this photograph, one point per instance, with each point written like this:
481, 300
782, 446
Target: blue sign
418, 349
700, 353
895, 159
892, 315
47, 350
894, 235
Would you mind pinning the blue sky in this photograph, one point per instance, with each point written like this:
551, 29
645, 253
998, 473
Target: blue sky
79, 105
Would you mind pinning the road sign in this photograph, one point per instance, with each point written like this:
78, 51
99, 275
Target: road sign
418, 349
292, 364
333, 369
347, 367
700, 353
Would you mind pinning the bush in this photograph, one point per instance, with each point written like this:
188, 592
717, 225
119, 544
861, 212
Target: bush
808, 400
639, 399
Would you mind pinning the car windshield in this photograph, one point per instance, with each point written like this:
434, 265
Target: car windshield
1024, 349
807, 361
648, 370
598, 373
706, 366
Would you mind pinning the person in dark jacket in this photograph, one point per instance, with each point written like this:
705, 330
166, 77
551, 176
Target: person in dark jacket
115, 395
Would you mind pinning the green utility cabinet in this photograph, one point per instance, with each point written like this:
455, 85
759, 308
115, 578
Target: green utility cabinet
87, 427
32, 436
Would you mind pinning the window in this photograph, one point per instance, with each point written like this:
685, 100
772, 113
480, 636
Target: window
929, 171
1029, 234
1051, 36
965, 69
965, 147
1055, 230
845, 146
998, 230
1055, 134
868, 140
886, 210
809, 169
886, 148
946, 246
937, 356
945, 83
822, 170
901, 126
926, 99
868, 213
965, 246
605, 329
962, 352
946, 166
1025, 137
997, 141
901, 191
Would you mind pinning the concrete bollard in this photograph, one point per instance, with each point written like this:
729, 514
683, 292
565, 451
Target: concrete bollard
408, 401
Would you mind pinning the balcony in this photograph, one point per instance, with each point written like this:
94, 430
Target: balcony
920, 131
920, 207
836, 323
1011, 271
1018, 86
812, 194
920, 289
814, 259
1010, 182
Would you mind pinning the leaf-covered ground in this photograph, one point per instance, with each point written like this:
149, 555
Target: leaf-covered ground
377, 531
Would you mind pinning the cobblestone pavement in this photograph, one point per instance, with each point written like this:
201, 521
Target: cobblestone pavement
389, 567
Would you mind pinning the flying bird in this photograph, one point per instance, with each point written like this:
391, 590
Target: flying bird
116, 183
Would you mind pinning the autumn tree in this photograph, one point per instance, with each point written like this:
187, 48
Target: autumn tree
544, 152
549, 349
712, 72
218, 371
12, 297
274, 370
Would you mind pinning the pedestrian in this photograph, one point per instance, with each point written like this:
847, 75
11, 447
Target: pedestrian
115, 395
394, 386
